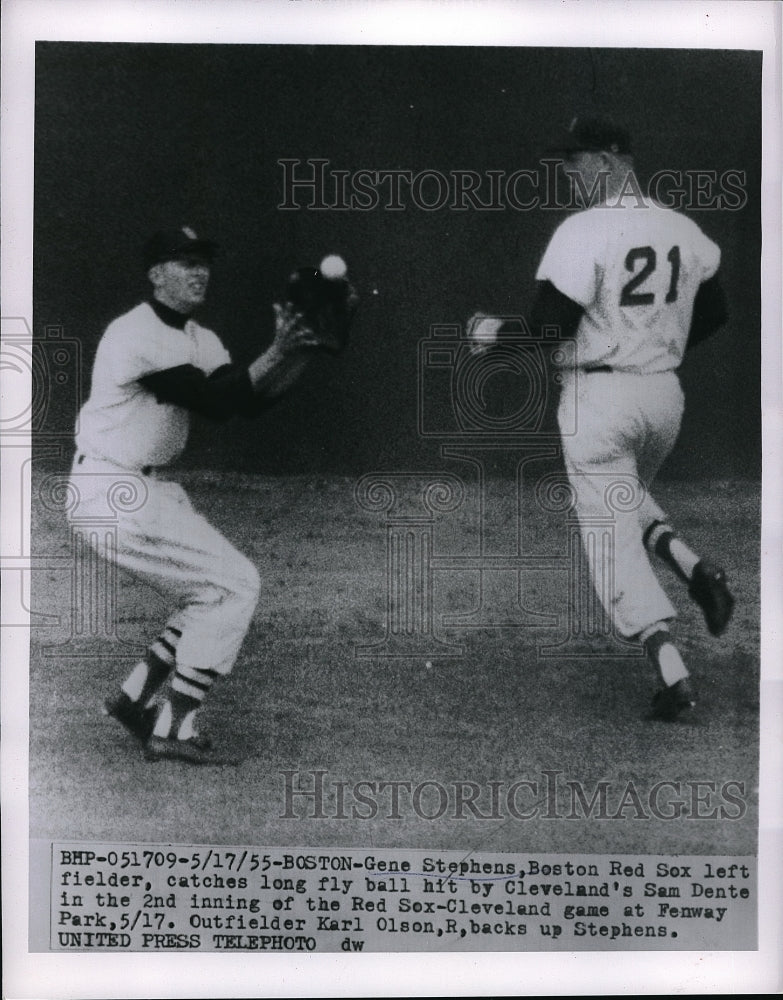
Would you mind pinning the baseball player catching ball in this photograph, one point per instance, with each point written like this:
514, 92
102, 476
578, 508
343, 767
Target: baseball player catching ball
154, 366
635, 284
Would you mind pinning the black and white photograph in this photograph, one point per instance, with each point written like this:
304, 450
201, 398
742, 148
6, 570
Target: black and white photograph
392, 516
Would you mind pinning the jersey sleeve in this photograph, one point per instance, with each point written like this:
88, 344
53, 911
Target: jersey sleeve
698, 248
211, 352
131, 350
709, 254
223, 393
570, 260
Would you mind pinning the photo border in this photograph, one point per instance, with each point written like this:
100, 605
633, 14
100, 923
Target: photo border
730, 25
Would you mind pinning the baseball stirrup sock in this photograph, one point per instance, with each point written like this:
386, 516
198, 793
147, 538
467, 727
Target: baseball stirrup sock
148, 675
177, 710
661, 540
187, 729
663, 654
192, 682
189, 687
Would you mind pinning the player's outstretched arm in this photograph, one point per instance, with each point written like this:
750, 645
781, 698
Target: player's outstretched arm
234, 389
281, 365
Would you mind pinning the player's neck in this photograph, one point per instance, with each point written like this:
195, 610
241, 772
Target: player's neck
167, 313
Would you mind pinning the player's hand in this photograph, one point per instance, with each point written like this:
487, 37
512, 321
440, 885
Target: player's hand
292, 331
482, 332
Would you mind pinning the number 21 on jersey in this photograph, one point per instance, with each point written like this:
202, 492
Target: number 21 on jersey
648, 259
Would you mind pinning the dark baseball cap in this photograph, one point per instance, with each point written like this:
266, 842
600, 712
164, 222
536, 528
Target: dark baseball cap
595, 134
171, 244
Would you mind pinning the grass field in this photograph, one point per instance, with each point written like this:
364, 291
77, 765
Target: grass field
300, 699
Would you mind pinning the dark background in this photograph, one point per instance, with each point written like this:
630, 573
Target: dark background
130, 137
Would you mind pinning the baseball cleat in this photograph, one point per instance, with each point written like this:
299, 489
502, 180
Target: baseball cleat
196, 750
204, 742
670, 703
708, 588
139, 721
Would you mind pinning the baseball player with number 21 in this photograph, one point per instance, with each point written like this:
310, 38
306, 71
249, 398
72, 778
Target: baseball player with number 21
635, 284
155, 365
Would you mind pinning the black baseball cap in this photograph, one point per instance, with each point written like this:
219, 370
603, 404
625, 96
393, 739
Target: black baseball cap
171, 244
595, 134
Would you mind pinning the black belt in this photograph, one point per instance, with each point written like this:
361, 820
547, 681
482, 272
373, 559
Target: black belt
145, 470
598, 368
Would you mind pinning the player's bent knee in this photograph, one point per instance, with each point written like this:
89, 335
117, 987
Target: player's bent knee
241, 588
250, 582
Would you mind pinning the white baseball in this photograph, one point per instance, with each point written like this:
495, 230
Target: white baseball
333, 267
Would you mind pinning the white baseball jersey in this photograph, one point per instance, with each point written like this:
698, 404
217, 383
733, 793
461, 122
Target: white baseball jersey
122, 421
635, 270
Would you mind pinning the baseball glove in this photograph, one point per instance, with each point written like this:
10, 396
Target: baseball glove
328, 306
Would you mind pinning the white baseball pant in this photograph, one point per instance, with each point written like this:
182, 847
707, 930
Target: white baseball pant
162, 540
625, 426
